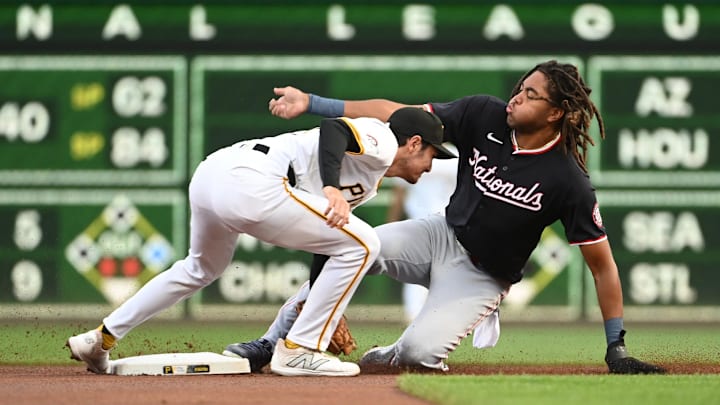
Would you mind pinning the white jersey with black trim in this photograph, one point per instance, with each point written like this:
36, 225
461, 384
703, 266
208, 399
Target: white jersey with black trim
360, 173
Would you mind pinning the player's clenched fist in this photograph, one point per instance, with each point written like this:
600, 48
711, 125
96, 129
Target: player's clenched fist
290, 103
338, 210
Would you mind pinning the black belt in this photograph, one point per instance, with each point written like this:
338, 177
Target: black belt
290, 173
261, 148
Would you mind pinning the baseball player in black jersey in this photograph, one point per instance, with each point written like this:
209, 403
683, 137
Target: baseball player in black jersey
521, 167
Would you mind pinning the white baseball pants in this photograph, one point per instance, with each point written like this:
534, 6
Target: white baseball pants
226, 199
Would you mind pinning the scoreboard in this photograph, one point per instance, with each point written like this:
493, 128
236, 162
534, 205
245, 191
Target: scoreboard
107, 107
665, 243
220, 117
93, 120
662, 126
93, 247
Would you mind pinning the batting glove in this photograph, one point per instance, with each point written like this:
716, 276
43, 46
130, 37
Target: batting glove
620, 362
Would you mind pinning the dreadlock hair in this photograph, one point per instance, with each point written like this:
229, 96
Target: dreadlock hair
568, 91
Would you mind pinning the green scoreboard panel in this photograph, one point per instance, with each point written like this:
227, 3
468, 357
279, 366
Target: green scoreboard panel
86, 247
666, 245
661, 121
100, 120
229, 94
221, 117
390, 27
108, 104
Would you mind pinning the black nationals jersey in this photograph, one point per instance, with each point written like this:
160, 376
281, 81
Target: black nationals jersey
506, 196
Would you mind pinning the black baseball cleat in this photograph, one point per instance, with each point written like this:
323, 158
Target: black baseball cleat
259, 352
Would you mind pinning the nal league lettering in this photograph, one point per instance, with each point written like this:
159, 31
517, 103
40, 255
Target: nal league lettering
494, 187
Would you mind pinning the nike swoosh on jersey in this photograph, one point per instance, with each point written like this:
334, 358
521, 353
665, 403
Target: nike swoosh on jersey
491, 137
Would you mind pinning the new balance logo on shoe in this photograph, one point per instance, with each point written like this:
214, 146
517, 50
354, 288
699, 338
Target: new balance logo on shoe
305, 361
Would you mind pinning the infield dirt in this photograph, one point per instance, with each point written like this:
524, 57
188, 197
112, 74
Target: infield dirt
72, 385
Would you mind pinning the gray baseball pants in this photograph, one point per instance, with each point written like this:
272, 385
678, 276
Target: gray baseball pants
460, 297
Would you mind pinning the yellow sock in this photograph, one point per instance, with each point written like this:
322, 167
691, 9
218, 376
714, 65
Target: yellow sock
290, 344
108, 339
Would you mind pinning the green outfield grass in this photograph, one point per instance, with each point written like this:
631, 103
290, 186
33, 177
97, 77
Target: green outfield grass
42, 342
564, 389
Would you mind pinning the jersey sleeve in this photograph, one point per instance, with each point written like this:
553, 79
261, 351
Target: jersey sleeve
336, 137
453, 113
582, 220
377, 144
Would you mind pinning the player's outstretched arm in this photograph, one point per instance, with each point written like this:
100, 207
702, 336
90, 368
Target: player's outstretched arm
376, 108
609, 292
292, 102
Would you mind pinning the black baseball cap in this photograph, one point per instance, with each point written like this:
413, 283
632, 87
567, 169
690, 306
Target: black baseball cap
409, 121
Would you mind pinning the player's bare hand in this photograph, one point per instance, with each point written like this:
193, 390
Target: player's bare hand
290, 103
338, 210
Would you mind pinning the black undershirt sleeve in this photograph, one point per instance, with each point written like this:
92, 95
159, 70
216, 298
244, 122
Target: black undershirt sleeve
336, 138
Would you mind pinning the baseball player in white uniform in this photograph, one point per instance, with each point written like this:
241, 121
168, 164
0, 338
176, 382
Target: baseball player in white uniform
247, 188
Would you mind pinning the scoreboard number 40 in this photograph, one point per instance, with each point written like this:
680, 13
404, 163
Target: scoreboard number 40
29, 121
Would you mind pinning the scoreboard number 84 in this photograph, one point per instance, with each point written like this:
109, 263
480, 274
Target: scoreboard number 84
132, 97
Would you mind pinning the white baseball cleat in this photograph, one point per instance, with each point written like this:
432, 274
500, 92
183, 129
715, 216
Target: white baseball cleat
306, 362
87, 347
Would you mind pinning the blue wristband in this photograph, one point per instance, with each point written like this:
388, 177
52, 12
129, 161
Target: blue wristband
326, 107
613, 327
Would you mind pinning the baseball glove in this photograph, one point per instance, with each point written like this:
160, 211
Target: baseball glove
620, 362
342, 340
